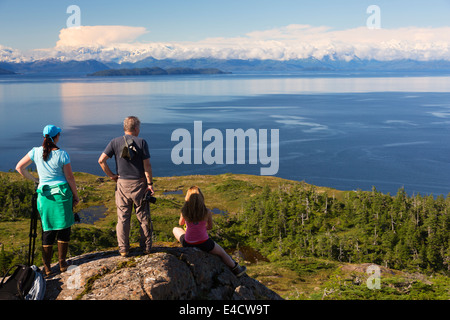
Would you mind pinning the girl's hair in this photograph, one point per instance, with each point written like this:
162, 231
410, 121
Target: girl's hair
48, 146
194, 209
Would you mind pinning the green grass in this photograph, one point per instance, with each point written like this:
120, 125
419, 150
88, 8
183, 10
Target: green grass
305, 278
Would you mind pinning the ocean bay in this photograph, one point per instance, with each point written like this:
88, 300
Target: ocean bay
346, 132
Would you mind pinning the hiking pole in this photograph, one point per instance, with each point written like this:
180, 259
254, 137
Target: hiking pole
33, 228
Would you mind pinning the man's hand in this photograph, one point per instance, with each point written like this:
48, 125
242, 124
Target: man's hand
150, 188
102, 162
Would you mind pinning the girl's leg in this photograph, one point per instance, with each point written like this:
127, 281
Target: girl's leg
218, 250
178, 232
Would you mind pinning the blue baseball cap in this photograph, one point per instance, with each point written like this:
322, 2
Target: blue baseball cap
51, 130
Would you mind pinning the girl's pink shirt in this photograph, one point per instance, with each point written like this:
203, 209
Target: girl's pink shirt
196, 232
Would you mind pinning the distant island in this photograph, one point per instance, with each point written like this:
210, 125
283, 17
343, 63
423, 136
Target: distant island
155, 71
4, 71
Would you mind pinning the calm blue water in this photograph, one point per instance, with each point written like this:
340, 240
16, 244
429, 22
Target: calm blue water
342, 131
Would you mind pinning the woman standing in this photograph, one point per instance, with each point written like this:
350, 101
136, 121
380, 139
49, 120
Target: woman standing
57, 194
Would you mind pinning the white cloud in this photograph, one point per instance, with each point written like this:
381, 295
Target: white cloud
98, 35
303, 41
10, 54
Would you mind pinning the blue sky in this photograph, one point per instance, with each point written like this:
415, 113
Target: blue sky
36, 24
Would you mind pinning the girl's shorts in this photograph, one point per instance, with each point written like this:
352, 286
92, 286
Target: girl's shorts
207, 245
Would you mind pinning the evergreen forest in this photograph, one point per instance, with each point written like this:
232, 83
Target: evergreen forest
400, 232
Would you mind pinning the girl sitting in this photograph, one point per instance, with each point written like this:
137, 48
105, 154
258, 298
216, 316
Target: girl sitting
198, 219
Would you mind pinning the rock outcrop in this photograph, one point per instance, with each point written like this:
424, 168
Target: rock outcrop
164, 274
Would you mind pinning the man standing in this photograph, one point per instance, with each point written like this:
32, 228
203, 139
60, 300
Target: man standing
134, 180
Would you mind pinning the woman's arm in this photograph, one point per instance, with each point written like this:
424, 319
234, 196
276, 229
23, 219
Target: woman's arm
21, 167
181, 222
209, 222
71, 180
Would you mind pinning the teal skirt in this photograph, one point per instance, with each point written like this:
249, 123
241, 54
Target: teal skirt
54, 204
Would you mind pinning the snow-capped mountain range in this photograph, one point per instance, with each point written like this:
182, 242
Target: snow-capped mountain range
291, 46
87, 59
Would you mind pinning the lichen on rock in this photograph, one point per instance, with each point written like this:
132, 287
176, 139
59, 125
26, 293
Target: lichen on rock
164, 274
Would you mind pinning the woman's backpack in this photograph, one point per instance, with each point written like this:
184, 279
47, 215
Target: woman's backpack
27, 281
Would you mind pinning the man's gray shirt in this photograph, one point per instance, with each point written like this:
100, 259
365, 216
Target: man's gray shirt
128, 169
